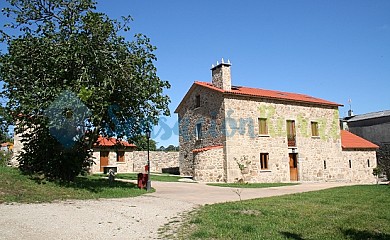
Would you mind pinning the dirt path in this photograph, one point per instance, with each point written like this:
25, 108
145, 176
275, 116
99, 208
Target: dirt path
129, 218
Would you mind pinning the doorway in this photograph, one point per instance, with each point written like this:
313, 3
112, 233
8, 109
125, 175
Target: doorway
293, 166
103, 160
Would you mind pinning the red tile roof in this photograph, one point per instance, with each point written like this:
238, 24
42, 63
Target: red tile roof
109, 142
350, 140
6, 144
270, 94
206, 148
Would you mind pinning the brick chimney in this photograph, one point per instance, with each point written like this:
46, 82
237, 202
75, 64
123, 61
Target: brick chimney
220, 75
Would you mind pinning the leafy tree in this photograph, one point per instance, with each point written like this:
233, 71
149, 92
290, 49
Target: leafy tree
70, 77
383, 157
141, 141
4, 123
171, 148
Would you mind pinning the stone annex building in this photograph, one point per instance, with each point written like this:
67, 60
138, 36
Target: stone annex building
233, 133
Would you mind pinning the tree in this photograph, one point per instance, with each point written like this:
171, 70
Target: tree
141, 142
4, 123
383, 156
70, 77
171, 148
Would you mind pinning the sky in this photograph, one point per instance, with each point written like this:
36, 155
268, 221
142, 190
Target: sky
335, 50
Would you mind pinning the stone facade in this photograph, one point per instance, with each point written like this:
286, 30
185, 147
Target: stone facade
159, 160
243, 139
231, 120
358, 165
209, 165
211, 119
135, 161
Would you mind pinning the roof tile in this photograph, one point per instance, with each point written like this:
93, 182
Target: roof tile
271, 94
109, 142
350, 140
206, 148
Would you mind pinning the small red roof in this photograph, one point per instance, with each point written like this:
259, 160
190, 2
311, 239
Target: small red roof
271, 94
6, 144
350, 140
206, 148
109, 142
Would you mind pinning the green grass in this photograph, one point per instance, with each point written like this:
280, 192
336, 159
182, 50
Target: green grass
251, 185
355, 212
158, 178
15, 187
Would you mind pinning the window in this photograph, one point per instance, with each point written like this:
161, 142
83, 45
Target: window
350, 163
198, 131
263, 128
368, 162
120, 156
197, 101
324, 164
291, 133
263, 161
314, 129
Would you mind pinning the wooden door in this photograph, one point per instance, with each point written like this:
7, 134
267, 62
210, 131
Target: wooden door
293, 167
103, 160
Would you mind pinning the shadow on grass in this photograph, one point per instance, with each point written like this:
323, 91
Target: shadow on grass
358, 234
97, 185
290, 235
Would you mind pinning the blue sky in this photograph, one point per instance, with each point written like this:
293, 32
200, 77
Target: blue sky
336, 50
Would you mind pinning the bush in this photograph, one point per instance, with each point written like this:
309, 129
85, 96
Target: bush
5, 157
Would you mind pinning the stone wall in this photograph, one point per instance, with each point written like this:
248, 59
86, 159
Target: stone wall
243, 140
209, 165
135, 161
159, 160
210, 114
363, 161
122, 167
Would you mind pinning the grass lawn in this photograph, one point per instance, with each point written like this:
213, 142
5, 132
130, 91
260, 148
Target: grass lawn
158, 177
15, 187
251, 185
354, 212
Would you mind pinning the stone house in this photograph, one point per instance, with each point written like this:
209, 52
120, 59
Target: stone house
233, 133
7, 147
124, 158
375, 128
120, 155
371, 126
112, 153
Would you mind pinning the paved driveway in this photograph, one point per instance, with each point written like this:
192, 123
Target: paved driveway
129, 218
198, 193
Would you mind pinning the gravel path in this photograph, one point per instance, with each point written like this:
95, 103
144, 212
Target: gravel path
130, 218
126, 218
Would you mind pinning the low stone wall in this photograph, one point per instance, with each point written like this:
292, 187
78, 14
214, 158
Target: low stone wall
159, 161
362, 164
135, 161
209, 165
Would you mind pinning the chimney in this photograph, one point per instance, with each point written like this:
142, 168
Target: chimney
350, 113
220, 75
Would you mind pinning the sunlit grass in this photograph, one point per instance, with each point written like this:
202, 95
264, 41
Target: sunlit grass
355, 212
16, 187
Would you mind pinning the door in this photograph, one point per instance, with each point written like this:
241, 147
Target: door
293, 167
103, 160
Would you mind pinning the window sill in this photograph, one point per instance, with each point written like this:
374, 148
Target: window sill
120, 162
263, 135
315, 137
265, 171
